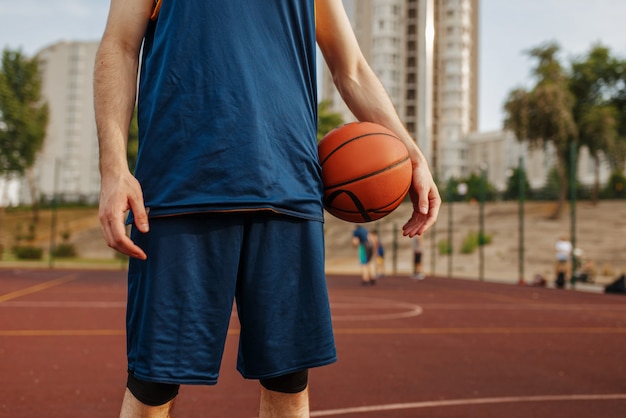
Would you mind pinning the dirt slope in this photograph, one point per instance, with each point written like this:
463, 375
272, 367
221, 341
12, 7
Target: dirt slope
600, 233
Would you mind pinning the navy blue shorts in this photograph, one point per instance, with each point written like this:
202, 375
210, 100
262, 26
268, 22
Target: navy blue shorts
180, 299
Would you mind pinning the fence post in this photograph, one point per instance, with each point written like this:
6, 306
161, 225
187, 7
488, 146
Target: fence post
395, 248
481, 222
521, 176
572, 186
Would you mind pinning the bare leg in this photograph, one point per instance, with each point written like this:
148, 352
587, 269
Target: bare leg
365, 273
284, 405
132, 408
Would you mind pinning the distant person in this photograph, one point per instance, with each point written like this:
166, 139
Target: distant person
538, 281
362, 240
417, 258
563, 257
618, 286
379, 255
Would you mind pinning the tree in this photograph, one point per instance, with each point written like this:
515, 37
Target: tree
598, 132
616, 186
23, 115
474, 189
595, 82
617, 154
543, 115
327, 120
477, 190
513, 190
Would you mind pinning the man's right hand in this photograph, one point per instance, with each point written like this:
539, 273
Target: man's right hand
118, 195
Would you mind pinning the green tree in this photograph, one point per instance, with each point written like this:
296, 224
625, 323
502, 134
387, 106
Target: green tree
513, 191
476, 188
598, 132
23, 116
616, 186
543, 114
594, 82
326, 120
617, 154
473, 189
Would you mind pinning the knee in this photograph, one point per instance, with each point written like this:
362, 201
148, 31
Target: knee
151, 393
288, 383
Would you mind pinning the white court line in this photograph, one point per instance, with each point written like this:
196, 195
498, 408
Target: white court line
38, 287
405, 310
461, 402
523, 306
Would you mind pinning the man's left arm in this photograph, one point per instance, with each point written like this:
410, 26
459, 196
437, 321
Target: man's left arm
368, 100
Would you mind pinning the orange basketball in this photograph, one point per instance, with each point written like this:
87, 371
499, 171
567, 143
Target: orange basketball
366, 171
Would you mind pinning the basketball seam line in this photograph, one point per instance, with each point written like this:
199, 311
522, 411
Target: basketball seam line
354, 139
367, 175
357, 203
329, 200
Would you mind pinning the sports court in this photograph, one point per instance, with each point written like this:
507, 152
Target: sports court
433, 348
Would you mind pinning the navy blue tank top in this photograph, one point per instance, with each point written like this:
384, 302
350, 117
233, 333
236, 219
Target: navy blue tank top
228, 108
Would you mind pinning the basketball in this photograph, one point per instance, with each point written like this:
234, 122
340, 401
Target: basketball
366, 171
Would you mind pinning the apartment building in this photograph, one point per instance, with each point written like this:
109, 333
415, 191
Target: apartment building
68, 162
425, 53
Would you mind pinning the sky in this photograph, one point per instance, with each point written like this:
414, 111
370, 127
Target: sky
508, 28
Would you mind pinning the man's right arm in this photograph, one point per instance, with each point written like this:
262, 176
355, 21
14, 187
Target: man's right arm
115, 89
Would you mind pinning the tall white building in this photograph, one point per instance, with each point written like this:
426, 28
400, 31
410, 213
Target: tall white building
68, 162
455, 104
425, 53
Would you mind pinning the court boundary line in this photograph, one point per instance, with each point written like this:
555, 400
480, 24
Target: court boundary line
485, 330
469, 401
524, 306
38, 287
406, 309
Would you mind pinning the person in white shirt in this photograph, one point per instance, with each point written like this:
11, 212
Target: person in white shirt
563, 257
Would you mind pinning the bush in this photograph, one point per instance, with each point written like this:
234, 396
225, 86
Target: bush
444, 247
473, 240
28, 252
64, 251
616, 187
484, 239
470, 242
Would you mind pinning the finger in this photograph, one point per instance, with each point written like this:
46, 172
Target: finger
423, 201
141, 220
119, 241
139, 213
114, 231
412, 226
433, 213
420, 223
132, 250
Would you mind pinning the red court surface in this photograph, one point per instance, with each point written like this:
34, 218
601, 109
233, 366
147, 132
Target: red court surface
432, 348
